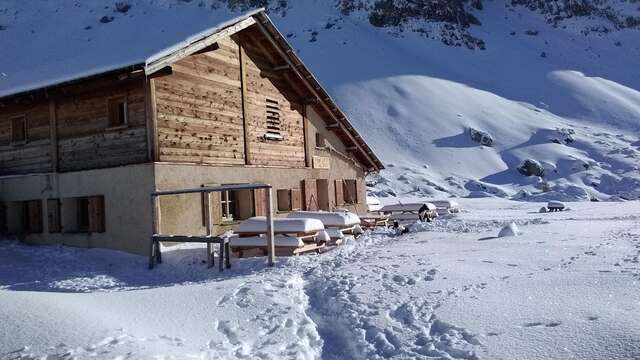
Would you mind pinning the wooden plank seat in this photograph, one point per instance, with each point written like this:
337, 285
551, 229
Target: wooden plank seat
404, 213
284, 245
336, 223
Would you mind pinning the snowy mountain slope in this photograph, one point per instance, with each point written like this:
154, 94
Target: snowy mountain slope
415, 99
545, 66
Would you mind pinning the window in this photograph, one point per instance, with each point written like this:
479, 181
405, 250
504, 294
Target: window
228, 205
274, 125
117, 112
350, 191
19, 129
321, 142
284, 200
32, 217
83, 214
53, 215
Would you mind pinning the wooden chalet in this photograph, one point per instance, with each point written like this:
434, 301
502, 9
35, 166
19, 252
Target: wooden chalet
80, 157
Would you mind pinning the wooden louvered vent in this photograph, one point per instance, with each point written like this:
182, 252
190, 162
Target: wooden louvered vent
274, 121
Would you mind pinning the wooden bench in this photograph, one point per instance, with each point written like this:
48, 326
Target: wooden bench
411, 212
336, 223
292, 236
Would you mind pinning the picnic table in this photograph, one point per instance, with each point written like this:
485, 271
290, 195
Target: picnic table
410, 212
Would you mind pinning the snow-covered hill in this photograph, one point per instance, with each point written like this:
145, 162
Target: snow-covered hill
548, 81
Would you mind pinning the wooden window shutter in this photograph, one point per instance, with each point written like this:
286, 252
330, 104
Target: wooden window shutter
296, 199
216, 210
349, 190
310, 194
53, 215
96, 214
260, 202
35, 216
339, 193
360, 191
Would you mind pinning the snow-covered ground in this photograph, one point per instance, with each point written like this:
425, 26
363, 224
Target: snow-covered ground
566, 288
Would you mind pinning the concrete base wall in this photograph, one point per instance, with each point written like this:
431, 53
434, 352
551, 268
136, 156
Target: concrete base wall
127, 204
127, 190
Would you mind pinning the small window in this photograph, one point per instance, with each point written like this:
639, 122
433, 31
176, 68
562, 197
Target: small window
284, 200
32, 217
83, 214
117, 112
321, 142
350, 191
274, 124
53, 215
19, 129
228, 205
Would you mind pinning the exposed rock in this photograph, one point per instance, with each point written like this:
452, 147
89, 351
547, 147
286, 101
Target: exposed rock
510, 230
480, 137
106, 19
122, 7
531, 167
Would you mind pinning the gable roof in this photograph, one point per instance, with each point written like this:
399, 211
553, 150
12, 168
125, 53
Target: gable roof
22, 74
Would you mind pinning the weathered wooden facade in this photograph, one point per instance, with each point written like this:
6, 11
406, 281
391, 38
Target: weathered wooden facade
78, 160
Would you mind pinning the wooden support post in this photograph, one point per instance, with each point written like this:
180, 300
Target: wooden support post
53, 131
207, 221
245, 105
155, 229
270, 235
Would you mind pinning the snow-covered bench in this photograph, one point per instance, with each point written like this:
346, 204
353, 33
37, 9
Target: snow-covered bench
293, 236
284, 245
336, 223
403, 213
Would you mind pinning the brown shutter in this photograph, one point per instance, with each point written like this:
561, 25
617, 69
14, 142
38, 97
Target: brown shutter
216, 208
339, 193
260, 202
35, 216
310, 194
96, 214
361, 191
53, 215
296, 199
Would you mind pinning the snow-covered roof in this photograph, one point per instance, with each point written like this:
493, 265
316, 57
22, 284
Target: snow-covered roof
58, 42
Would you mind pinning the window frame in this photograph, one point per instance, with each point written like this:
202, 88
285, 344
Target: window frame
25, 129
348, 197
119, 99
228, 206
273, 120
320, 140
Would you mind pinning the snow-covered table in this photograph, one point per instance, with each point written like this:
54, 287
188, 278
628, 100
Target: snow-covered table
410, 212
336, 223
293, 236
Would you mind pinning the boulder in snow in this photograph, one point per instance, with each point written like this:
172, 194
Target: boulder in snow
480, 137
531, 167
510, 230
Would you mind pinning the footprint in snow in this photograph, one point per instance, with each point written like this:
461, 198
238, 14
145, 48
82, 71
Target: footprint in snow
540, 324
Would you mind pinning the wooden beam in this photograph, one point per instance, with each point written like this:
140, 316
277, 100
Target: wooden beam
53, 131
152, 120
333, 126
245, 105
281, 67
165, 71
197, 46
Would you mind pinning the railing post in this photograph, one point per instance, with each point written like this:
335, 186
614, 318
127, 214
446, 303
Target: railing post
270, 235
207, 221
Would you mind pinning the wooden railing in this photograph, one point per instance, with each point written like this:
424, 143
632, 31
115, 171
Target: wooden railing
157, 237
